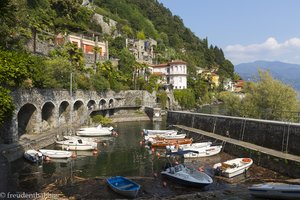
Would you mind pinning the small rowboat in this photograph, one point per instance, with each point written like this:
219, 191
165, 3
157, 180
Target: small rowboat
33, 156
123, 186
165, 142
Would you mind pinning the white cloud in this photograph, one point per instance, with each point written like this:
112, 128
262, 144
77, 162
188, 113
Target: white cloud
271, 50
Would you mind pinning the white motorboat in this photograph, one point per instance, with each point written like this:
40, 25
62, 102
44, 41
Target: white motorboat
56, 153
196, 145
33, 156
186, 176
168, 136
203, 151
90, 139
275, 191
95, 131
234, 167
77, 144
158, 132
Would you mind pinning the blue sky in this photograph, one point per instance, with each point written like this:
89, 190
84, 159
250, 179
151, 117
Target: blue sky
246, 30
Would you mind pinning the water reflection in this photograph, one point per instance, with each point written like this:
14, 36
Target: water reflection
117, 156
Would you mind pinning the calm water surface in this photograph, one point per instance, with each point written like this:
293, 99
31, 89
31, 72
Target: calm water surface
123, 155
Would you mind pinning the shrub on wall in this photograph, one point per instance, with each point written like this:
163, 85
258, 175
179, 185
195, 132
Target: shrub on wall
101, 120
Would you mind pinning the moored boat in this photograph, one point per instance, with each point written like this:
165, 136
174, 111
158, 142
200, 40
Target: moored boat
90, 139
174, 148
51, 153
168, 136
76, 144
158, 132
165, 142
203, 151
95, 131
123, 186
33, 156
234, 167
275, 191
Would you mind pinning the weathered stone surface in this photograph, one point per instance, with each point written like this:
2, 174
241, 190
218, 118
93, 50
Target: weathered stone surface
45, 110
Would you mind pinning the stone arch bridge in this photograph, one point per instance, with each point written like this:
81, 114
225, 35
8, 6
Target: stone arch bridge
43, 110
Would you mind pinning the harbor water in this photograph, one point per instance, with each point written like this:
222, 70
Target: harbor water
83, 177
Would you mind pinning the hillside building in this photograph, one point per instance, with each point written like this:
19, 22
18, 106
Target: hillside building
173, 73
143, 50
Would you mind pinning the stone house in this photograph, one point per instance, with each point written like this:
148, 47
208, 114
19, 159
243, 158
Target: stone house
143, 50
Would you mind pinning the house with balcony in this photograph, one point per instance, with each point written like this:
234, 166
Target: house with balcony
173, 73
88, 45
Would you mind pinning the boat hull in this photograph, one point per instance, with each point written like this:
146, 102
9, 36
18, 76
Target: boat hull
281, 191
203, 152
76, 147
164, 143
188, 177
184, 182
56, 153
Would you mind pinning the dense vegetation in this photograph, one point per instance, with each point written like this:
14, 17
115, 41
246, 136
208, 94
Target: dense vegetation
265, 99
24, 20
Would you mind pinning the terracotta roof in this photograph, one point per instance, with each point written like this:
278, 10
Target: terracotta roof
157, 73
177, 62
160, 65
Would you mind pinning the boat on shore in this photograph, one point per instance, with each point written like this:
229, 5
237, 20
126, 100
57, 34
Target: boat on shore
275, 191
51, 153
186, 176
33, 156
234, 167
123, 186
76, 144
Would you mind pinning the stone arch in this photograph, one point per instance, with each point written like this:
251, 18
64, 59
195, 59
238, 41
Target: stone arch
27, 119
102, 104
78, 110
91, 105
48, 117
64, 112
111, 103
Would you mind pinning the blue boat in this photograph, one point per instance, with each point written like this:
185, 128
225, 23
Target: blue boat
123, 186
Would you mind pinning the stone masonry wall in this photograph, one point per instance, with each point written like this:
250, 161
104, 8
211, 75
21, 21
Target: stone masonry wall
280, 136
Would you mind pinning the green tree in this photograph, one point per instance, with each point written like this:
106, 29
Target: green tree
265, 99
185, 98
14, 69
232, 103
270, 99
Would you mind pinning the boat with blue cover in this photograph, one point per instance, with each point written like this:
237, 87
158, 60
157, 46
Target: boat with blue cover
123, 186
